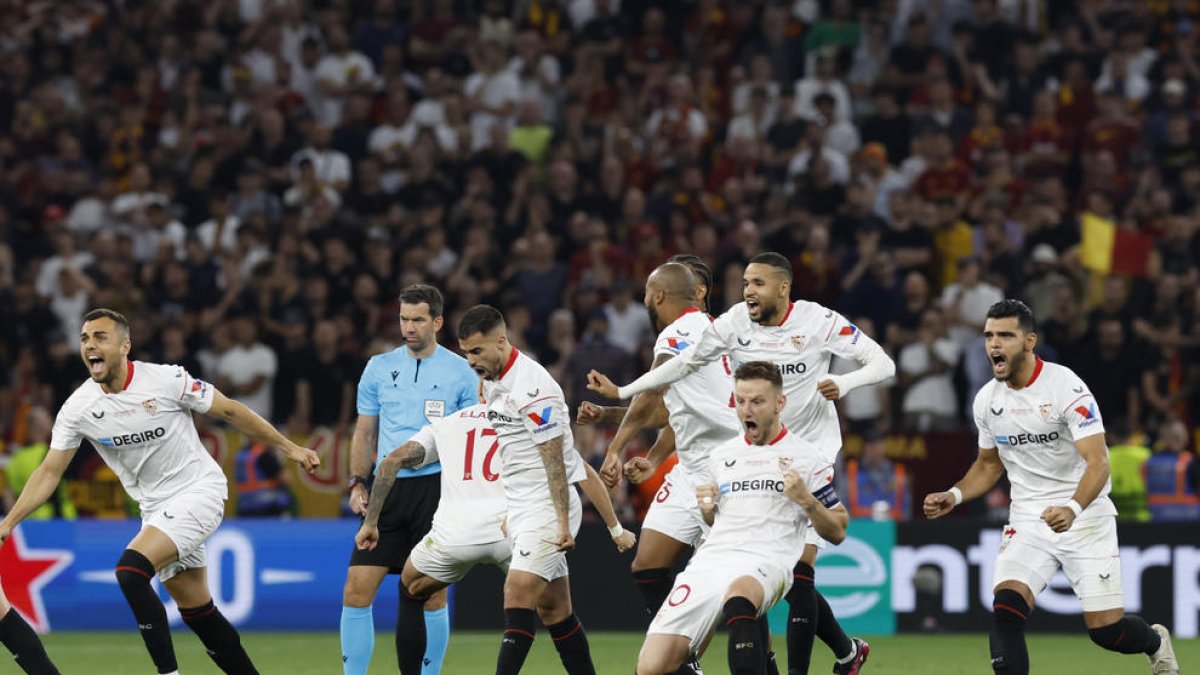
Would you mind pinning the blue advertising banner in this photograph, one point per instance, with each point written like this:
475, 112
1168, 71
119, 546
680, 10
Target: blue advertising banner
265, 574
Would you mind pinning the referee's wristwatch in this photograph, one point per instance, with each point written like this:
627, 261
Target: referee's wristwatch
356, 480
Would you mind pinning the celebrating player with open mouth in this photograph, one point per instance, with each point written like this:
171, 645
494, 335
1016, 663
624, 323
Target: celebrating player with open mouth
1039, 422
139, 418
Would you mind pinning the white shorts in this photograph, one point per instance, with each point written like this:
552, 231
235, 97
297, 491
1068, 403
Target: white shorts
188, 519
532, 529
1030, 552
674, 511
693, 609
449, 564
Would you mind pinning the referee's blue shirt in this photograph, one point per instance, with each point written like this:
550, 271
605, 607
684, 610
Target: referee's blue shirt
406, 393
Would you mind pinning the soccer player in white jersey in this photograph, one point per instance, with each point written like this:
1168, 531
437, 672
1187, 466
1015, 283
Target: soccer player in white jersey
800, 337
1039, 422
769, 486
538, 465
138, 416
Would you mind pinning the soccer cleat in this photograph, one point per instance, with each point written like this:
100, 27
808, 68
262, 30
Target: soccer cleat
690, 667
1162, 662
854, 666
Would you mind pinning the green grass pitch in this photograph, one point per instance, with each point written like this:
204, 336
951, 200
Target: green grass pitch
614, 654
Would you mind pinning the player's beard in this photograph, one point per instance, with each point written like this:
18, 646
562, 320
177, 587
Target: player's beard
653, 313
767, 313
1014, 365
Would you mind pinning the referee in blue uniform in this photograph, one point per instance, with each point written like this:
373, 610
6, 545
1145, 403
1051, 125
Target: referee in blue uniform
401, 391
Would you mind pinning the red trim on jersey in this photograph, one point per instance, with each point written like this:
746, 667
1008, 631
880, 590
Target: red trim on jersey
512, 358
128, 378
1037, 370
791, 306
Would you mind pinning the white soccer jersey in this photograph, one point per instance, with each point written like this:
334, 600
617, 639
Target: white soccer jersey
527, 408
700, 405
1035, 429
802, 346
754, 516
145, 433
471, 507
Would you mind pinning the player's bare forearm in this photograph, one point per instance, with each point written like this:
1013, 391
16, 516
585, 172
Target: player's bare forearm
597, 494
983, 474
379, 492
363, 444
1095, 453
662, 448
612, 415
829, 523
640, 414
556, 477
407, 456
41, 484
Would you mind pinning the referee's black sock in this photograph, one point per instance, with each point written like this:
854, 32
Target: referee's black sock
518, 638
220, 638
25, 646
747, 653
410, 633
830, 631
802, 619
572, 644
655, 585
1130, 635
1009, 653
134, 573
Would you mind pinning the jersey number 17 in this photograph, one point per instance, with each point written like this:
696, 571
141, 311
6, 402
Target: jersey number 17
469, 460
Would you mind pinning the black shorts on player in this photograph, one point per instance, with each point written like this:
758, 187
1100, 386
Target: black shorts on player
406, 517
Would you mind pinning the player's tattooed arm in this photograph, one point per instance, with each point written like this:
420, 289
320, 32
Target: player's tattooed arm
407, 456
556, 478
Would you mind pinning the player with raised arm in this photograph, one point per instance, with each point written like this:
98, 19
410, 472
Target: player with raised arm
700, 419
1039, 422
138, 416
769, 486
400, 392
538, 465
800, 337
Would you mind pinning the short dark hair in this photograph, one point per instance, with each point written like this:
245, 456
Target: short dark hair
775, 260
418, 293
700, 269
102, 313
760, 370
1011, 307
482, 319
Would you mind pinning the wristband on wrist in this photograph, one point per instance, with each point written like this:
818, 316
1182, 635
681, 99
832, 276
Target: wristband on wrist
616, 531
355, 480
957, 495
1074, 506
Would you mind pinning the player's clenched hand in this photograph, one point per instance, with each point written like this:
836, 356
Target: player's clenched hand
610, 470
564, 541
938, 504
599, 383
5, 532
707, 496
367, 538
829, 389
588, 413
308, 460
639, 470
358, 500
625, 541
794, 487
1059, 518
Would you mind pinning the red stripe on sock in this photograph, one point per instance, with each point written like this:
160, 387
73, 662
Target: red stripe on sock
134, 569
187, 614
1119, 638
647, 581
573, 631
802, 576
518, 630
740, 618
1010, 609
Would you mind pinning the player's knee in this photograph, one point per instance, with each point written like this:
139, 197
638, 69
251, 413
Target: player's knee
1010, 608
133, 570
655, 662
355, 595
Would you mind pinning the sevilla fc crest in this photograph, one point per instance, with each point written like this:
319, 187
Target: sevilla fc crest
785, 463
150, 406
798, 342
1044, 410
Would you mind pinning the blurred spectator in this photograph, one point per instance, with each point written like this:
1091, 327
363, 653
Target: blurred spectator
1127, 461
628, 324
925, 371
246, 370
1169, 493
25, 460
875, 486
260, 480
325, 387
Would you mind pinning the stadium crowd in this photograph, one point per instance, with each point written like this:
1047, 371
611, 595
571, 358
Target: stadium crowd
253, 181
